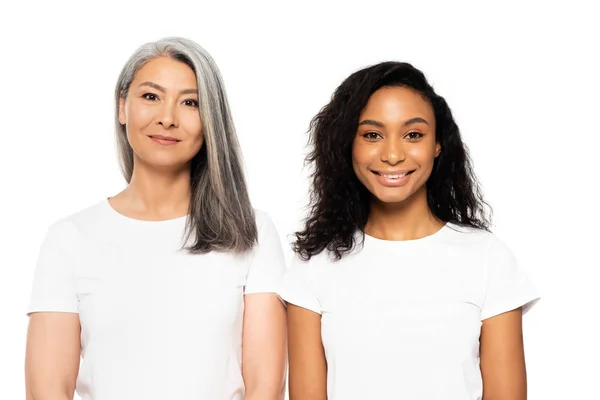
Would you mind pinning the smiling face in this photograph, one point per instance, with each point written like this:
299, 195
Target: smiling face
161, 114
395, 145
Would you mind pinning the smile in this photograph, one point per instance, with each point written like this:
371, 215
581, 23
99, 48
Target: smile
164, 140
393, 176
393, 179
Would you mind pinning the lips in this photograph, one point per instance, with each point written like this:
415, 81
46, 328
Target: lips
161, 137
165, 140
393, 175
393, 178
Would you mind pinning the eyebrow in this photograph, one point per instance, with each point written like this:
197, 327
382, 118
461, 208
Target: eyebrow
415, 120
162, 89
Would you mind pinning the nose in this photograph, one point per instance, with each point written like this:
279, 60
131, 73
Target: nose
168, 117
393, 151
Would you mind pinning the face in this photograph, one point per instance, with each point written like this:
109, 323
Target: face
395, 145
161, 114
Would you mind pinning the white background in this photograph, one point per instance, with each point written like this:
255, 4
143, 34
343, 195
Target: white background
522, 81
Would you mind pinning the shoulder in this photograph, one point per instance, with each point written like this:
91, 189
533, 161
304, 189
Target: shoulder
269, 240
468, 239
265, 226
73, 225
91, 215
323, 261
467, 235
263, 219
64, 237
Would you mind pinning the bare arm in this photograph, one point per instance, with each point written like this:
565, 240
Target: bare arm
52, 356
502, 357
263, 347
308, 366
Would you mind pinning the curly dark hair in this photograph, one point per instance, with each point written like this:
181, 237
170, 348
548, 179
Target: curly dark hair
339, 203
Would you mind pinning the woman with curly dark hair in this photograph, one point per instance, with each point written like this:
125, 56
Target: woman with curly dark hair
398, 289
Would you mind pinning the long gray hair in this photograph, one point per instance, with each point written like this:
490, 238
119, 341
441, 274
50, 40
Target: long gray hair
220, 217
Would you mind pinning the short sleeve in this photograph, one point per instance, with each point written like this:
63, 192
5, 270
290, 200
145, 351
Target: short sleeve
508, 285
53, 283
267, 264
298, 286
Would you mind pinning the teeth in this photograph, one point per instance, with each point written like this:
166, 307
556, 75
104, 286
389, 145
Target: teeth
395, 176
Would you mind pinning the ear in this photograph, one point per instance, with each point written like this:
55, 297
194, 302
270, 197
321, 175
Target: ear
438, 149
122, 118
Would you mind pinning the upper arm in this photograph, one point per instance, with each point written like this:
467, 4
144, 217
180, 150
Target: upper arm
53, 288
53, 337
308, 366
52, 354
264, 345
508, 286
509, 295
502, 357
264, 326
267, 263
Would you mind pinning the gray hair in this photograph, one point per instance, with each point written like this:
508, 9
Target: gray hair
221, 216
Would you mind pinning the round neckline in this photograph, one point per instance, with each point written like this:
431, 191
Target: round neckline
141, 221
440, 232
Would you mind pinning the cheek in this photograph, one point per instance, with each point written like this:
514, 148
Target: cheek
425, 158
138, 117
363, 155
423, 155
192, 126
197, 143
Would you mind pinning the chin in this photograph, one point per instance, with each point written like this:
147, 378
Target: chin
166, 162
391, 199
392, 196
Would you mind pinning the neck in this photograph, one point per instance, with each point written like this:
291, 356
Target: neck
407, 220
155, 194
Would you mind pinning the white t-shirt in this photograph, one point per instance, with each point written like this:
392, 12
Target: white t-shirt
402, 319
156, 322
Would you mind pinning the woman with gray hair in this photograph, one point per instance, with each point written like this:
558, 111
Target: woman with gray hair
167, 289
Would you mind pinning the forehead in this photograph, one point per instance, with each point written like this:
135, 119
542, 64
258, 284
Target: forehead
166, 71
397, 103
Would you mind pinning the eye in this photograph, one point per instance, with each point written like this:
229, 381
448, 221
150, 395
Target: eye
371, 135
414, 135
150, 96
191, 103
